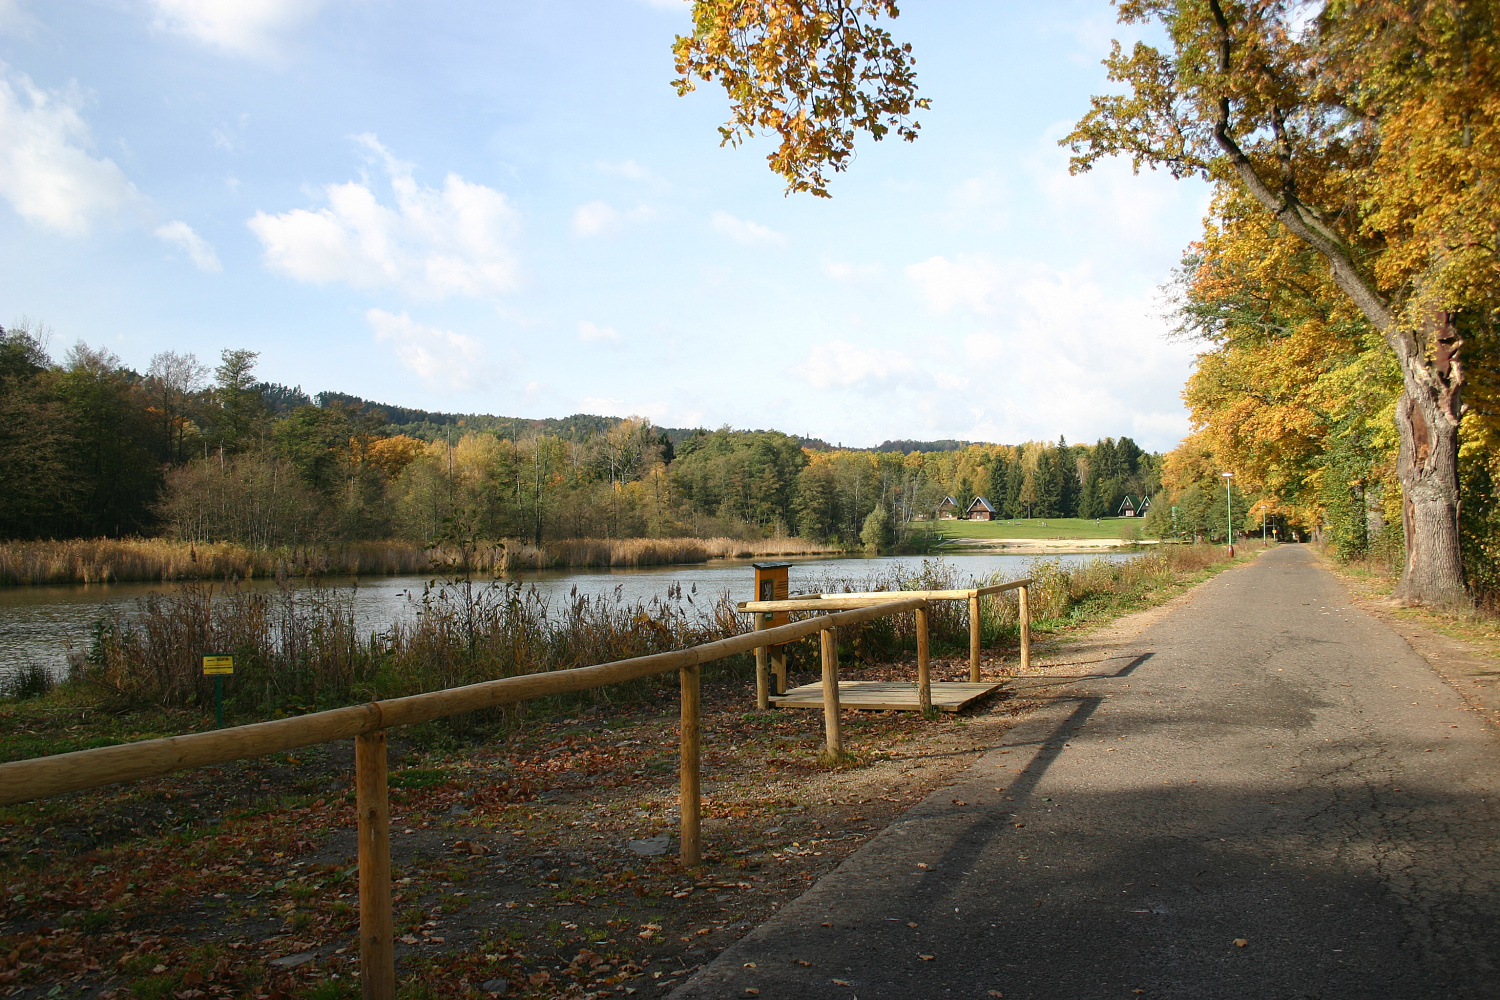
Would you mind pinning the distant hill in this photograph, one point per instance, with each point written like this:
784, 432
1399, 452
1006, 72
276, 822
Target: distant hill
907, 447
430, 425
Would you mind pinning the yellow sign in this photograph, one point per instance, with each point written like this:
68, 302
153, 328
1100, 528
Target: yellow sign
218, 665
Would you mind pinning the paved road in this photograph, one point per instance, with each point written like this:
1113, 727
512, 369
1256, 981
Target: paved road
1263, 764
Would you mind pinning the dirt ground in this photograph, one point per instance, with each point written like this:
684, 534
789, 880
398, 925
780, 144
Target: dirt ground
514, 869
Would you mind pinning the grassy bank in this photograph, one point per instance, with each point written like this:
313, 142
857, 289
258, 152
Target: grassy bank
1060, 527
151, 560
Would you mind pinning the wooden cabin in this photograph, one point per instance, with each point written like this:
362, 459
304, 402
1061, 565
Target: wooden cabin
1145, 506
1127, 507
948, 509
980, 509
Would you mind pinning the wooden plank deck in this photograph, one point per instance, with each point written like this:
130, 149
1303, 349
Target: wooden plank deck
879, 696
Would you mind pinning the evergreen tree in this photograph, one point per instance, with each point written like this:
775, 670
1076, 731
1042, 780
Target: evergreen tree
1015, 482
1048, 485
999, 473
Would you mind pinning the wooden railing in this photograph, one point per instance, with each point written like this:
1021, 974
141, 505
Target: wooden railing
765, 659
42, 777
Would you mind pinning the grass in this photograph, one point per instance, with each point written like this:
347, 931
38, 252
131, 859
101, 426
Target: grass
123, 560
1059, 527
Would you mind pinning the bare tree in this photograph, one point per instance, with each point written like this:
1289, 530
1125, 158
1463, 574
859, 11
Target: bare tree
174, 378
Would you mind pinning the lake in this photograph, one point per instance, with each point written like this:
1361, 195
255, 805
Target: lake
40, 624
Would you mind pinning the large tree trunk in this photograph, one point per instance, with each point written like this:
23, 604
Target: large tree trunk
1427, 416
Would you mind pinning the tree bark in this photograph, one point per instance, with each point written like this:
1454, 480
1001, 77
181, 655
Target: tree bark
1427, 415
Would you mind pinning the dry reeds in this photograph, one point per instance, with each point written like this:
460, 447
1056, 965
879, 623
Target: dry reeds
152, 560
300, 649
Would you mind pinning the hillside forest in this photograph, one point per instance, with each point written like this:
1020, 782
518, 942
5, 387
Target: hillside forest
92, 448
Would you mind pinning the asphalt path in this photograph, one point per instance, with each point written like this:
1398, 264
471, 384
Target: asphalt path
1266, 793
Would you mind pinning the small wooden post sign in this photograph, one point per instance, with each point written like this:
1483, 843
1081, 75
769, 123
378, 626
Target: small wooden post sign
217, 667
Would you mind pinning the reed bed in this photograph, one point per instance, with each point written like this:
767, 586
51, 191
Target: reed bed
299, 649
160, 560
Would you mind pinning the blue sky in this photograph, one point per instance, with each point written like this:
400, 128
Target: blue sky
503, 207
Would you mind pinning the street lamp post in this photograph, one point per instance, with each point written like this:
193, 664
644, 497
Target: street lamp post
1229, 507
1262, 524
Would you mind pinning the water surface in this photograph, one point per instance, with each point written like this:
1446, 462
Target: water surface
40, 624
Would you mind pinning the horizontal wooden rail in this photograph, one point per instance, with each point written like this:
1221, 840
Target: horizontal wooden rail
39, 777
816, 602
873, 598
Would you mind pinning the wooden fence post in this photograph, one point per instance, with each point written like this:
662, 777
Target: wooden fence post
377, 955
924, 665
974, 638
833, 736
691, 806
1025, 615
762, 668
778, 667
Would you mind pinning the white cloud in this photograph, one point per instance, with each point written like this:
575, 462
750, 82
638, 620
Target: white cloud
600, 218
629, 169
181, 234
979, 202
742, 231
14, 20
596, 218
244, 27
1095, 359
589, 333
432, 243
839, 364
840, 271
46, 171
969, 280
441, 358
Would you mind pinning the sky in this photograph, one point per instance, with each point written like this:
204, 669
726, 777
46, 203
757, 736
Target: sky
503, 207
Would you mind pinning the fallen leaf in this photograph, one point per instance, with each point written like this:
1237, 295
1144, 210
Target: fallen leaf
996, 993
749, 965
1240, 942
927, 958
842, 982
911, 924
959, 802
752, 991
538, 978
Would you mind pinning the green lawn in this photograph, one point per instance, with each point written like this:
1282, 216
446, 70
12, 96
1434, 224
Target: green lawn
1051, 527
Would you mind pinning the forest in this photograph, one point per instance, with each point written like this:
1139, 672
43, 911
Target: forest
92, 448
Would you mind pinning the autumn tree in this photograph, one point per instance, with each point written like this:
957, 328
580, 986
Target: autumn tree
1366, 130
813, 72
